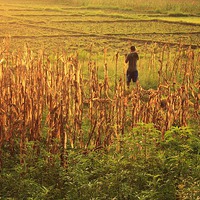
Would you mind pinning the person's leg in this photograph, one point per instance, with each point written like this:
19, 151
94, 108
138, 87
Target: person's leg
135, 76
128, 79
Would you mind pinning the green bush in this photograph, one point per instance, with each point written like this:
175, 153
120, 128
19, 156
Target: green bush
138, 166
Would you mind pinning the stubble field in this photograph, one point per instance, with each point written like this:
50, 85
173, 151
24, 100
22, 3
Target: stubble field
77, 27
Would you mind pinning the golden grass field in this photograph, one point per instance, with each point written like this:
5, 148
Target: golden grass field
69, 126
62, 69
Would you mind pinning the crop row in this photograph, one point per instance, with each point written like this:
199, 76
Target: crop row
41, 98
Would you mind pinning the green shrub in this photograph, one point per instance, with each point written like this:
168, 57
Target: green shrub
139, 165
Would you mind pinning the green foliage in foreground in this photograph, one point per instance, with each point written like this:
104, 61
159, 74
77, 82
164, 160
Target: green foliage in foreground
138, 166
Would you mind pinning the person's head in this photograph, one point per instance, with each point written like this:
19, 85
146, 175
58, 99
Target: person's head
132, 48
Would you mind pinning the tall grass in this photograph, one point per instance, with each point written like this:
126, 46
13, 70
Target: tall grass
31, 86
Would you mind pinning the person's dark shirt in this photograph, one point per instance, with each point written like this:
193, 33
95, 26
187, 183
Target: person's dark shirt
132, 61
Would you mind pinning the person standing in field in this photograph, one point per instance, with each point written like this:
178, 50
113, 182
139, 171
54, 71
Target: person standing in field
132, 72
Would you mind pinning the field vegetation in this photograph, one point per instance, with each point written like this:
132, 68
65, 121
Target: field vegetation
69, 127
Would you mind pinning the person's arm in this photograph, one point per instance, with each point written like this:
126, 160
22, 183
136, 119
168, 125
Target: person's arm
127, 58
137, 56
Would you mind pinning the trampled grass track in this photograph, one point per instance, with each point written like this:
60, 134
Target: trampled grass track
55, 27
42, 30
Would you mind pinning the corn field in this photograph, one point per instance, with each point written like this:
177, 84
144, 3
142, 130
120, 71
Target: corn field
41, 99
